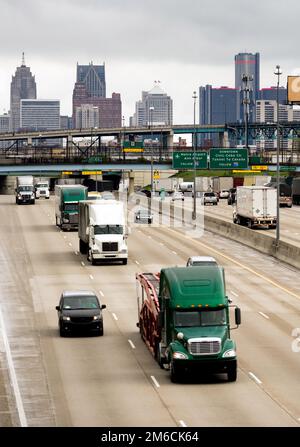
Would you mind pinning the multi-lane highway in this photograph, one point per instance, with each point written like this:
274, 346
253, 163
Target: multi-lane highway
113, 380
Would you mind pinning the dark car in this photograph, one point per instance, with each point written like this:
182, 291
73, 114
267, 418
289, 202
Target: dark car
232, 196
143, 216
79, 311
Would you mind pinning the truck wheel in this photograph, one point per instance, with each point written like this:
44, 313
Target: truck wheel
124, 261
82, 247
232, 374
158, 356
174, 373
62, 332
249, 224
101, 332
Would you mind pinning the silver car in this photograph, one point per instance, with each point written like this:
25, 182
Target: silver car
209, 198
201, 260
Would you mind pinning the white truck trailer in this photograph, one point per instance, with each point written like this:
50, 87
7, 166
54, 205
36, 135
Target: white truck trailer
102, 230
255, 206
24, 190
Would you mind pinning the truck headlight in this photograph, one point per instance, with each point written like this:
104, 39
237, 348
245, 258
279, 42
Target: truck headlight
95, 250
65, 219
19, 196
124, 250
66, 318
179, 356
32, 195
96, 317
229, 353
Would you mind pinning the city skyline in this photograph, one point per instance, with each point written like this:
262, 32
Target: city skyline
185, 45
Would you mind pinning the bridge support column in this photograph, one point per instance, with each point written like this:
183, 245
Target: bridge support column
223, 139
29, 141
131, 183
69, 146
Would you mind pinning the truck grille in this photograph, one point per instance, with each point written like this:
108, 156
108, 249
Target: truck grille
110, 246
26, 197
204, 346
73, 218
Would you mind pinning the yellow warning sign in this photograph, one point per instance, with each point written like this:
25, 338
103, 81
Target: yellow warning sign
156, 175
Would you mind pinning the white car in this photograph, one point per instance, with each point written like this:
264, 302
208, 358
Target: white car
177, 195
209, 198
201, 260
224, 194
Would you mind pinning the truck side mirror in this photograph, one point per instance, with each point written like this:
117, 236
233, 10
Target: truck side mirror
57, 307
103, 306
237, 313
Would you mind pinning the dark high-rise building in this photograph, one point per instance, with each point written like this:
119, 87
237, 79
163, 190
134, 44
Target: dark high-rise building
270, 94
216, 105
93, 77
246, 64
22, 86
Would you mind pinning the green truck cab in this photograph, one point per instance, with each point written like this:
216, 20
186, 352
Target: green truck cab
67, 198
190, 322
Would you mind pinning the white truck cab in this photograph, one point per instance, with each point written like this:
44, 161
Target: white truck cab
42, 190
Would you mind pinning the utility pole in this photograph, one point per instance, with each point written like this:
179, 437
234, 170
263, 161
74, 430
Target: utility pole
278, 73
194, 159
151, 109
246, 102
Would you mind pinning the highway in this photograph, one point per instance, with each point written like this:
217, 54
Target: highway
113, 380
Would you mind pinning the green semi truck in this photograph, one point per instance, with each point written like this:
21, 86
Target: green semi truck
184, 320
67, 198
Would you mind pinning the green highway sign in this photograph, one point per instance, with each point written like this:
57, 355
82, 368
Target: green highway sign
185, 160
287, 168
228, 158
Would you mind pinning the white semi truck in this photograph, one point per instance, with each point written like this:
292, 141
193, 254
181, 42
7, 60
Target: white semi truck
102, 230
41, 188
24, 190
256, 206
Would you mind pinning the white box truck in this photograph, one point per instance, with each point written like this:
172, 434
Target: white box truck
255, 206
41, 188
102, 230
24, 190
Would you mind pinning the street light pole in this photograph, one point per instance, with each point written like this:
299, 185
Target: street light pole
278, 73
151, 125
194, 159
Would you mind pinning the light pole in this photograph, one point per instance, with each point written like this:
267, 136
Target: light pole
277, 73
194, 159
246, 103
151, 125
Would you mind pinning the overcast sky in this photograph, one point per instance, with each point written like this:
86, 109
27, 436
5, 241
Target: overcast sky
181, 43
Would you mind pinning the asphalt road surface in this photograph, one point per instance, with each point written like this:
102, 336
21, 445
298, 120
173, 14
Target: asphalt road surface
113, 380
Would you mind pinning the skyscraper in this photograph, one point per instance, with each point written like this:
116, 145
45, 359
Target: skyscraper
93, 77
90, 90
22, 86
162, 105
246, 64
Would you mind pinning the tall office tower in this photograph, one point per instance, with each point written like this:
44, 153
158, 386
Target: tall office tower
216, 106
93, 77
246, 64
90, 89
4, 127
87, 116
162, 112
22, 86
41, 114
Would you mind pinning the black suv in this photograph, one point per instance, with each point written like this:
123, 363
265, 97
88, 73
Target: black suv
78, 311
232, 196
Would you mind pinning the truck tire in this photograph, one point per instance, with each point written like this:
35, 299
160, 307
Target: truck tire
82, 247
101, 332
62, 332
174, 373
158, 356
232, 374
249, 224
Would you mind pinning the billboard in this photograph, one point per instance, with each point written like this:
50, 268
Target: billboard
293, 89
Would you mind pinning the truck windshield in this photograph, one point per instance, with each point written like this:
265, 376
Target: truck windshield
71, 206
200, 318
108, 229
25, 188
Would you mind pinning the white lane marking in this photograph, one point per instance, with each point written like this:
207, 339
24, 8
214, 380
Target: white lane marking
82, 263
155, 381
253, 376
70, 244
65, 237
91, 276
149, 237
76, 253
131, 344
12, 373
233, 293
264, 315
115, 316
182, 423
137, 262
174, 252
101, 293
